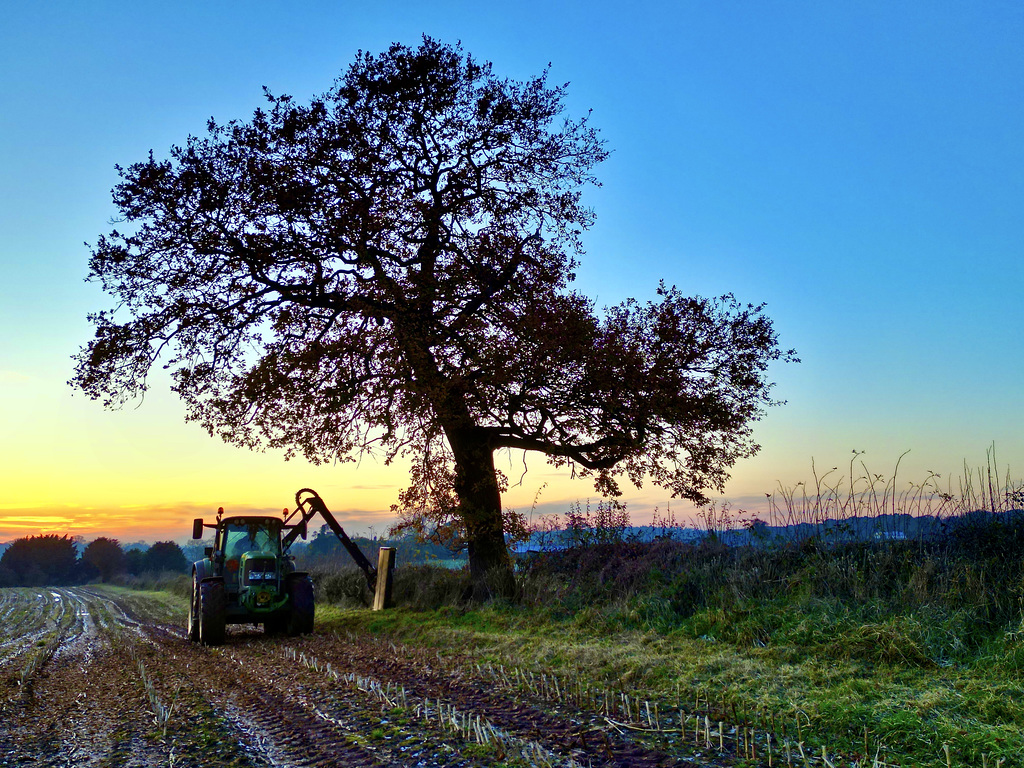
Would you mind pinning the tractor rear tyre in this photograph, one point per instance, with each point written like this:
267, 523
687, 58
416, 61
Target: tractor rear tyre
300, 594
193, 610
212, 606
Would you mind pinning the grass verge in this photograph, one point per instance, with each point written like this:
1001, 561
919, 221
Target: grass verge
902, 713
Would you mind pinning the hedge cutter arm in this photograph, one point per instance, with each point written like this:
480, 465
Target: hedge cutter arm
307, 504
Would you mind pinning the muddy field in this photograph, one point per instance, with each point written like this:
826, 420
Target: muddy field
90, 677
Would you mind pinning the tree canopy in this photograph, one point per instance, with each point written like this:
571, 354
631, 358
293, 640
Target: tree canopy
165, 556
53, 559
106, 556
37, 560
388, 268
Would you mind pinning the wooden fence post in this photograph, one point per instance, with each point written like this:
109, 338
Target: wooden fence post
385, 576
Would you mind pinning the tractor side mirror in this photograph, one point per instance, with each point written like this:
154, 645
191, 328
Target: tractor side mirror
197, 528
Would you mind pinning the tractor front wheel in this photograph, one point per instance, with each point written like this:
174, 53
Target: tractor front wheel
212, 605
193, 610
300, 594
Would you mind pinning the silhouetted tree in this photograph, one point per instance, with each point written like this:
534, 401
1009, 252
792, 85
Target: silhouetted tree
86, 572
135, 561
388, 267
8, 578
165, 556
48, 559
106, 556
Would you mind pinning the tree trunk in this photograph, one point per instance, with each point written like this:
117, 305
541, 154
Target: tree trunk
476, 482
480, 506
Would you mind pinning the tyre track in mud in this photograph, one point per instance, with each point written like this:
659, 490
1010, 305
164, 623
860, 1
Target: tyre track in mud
270, 726
26, 619
76, 706
313, 701
565, 731
92, 702
113, 663
286, 715
566, 738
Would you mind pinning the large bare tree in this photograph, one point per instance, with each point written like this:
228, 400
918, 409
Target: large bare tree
388, 268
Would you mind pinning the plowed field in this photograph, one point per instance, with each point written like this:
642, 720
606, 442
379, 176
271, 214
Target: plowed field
94, 677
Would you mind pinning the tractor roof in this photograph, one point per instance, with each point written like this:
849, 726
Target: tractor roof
252, 520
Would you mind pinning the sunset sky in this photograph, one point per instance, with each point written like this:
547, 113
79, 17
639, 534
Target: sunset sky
857, 166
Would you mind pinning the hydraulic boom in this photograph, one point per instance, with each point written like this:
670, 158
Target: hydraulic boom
307, 504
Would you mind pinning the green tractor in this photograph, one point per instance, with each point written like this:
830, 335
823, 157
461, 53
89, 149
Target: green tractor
248, 577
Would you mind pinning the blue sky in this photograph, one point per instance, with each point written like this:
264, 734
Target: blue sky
857, 166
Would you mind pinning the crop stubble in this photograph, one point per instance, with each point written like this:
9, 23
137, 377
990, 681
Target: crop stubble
90, 677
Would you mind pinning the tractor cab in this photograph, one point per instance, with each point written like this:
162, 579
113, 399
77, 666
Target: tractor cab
251, 548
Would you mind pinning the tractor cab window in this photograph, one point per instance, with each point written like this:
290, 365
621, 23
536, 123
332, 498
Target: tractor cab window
241, 536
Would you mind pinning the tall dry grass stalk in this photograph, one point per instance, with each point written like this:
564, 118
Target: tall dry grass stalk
835, 498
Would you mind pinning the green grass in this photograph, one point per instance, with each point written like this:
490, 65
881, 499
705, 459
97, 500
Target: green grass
908, 709
895, 648
834, 666
165, 604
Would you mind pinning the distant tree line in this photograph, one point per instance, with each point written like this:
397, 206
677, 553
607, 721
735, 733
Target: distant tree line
53, 560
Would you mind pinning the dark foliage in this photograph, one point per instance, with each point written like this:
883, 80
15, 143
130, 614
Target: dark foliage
969, 580
165, 556
48, 559
53, 560
106, 557
135, 561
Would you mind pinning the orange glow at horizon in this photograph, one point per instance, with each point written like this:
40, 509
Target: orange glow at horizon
361, 499
141, 473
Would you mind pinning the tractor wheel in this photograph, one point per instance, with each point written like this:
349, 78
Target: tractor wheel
212, 605
300, 593
193, 610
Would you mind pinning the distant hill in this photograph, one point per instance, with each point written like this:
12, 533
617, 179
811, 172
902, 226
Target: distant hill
892, 527
558, 539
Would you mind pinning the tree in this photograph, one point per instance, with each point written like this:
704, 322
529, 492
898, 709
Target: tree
106, 556
165, 556
47, 559
135, 561
388, 269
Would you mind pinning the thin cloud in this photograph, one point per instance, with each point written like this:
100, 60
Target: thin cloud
155, 522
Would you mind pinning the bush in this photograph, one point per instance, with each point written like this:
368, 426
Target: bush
420, 587
916, 603
344, 587
157, 581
